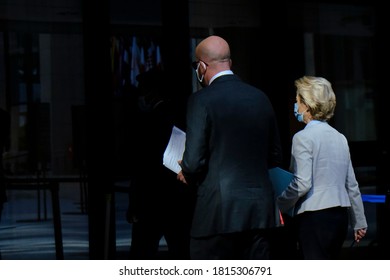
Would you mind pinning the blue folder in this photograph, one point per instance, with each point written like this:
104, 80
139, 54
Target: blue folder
280, 179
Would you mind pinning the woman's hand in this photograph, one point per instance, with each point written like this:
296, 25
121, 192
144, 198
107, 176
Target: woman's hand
359, 234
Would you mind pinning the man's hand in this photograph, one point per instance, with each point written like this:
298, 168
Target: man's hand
180, 175
181, 178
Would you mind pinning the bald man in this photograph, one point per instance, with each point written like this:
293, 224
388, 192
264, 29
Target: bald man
232, 140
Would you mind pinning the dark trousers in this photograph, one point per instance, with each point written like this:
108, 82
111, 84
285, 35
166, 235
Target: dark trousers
146, 236
321, 234
247, 245
284, 240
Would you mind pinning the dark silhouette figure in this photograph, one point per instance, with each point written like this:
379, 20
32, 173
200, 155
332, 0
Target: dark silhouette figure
159, 206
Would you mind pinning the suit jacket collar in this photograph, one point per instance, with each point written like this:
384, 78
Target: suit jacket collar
222, 73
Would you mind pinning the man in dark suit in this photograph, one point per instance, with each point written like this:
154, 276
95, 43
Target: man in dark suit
232, 140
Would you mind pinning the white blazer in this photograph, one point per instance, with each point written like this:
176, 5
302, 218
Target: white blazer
323, 174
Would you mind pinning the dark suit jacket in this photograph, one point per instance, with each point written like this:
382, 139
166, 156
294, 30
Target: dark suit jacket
232, 140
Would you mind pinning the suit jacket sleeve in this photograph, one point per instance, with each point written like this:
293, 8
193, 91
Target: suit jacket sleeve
194, 164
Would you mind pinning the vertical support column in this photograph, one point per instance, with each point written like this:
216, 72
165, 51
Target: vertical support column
54, 189
176, 52
382, 97
99, 123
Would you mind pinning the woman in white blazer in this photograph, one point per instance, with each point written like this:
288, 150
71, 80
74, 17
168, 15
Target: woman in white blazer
324, 193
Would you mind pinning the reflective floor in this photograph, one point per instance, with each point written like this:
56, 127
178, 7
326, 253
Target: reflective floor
28, 234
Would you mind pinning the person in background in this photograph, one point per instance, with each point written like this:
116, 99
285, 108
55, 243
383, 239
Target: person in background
324, 191
158, 205
232, 139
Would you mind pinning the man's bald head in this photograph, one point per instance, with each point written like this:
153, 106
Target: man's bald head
213, 49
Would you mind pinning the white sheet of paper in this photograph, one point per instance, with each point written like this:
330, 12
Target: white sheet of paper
175, 149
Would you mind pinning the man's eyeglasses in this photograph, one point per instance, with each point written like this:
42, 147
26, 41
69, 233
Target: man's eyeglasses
194, 64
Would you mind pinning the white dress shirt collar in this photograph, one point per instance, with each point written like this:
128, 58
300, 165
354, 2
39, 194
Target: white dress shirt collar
225, 72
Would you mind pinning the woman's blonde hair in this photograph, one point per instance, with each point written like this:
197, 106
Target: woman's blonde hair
317, 94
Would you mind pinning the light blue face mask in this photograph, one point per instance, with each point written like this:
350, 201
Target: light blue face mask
299, 116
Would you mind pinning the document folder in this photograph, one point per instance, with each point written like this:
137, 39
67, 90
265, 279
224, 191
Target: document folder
280, 179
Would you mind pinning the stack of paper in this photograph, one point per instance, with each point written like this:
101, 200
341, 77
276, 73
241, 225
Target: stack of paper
175, 149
